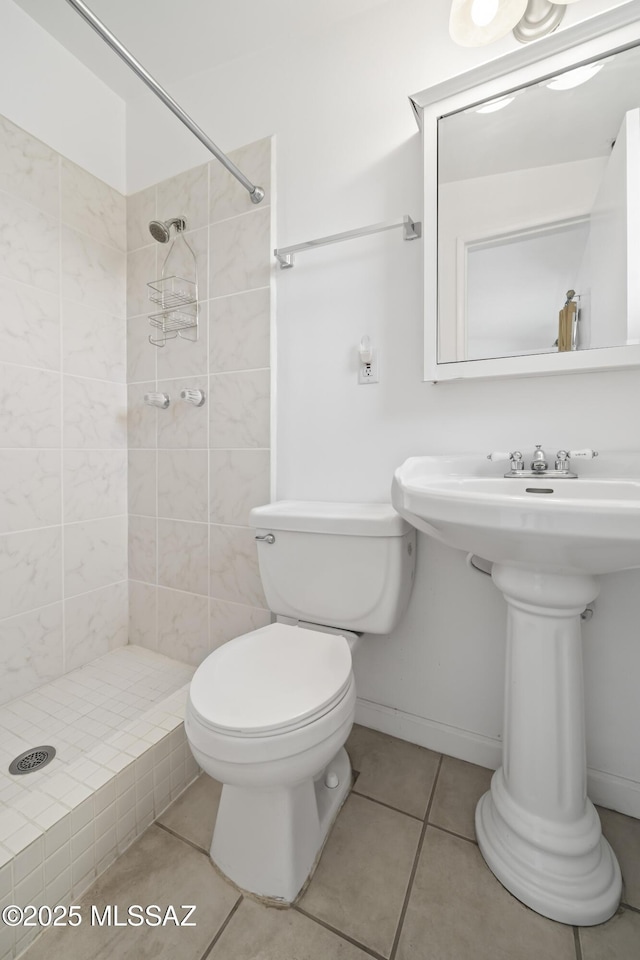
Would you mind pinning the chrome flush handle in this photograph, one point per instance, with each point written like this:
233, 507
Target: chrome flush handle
265, 537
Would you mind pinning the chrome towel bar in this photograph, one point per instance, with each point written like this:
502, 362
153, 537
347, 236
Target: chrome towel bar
412, 231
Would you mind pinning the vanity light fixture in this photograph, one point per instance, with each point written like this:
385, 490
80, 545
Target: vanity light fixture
474, 23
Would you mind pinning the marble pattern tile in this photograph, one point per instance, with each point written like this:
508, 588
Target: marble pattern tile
141, 208
177, 260
92, 206
30, 485
141, 355
240, 409
95, 623
29, 244
457, 908
227, 197
239, 480
30, 570
95, 554
142, 549
28, 168
94, 343
142, 419
185, 195
142, 482
29, 407
93, 273
234, 566
239, 331
181, 357
31, 651
240, 253
142, 268
183, 555
95, 414
183, 627
143, 619
29, 326
95, 484
228, 620
182, 485
182, 425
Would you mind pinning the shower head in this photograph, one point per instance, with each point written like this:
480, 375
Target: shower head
160, 230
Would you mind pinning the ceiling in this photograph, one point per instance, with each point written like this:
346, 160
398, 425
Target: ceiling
174, 39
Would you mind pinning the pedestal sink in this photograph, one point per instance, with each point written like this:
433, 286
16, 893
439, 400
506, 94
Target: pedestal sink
548, 540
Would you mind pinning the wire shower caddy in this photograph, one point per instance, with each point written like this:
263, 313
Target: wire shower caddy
177, 297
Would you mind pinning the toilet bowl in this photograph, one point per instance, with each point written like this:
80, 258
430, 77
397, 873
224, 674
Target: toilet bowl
269, 712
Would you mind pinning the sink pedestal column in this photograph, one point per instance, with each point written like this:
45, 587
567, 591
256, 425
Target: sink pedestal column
537, 830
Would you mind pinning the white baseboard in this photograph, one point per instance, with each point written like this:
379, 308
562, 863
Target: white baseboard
605, 789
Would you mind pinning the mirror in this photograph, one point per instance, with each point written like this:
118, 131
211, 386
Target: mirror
535, 263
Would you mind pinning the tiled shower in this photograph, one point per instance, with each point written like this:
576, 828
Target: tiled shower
125, 551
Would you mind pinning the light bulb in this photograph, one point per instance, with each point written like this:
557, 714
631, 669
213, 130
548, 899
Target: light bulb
483, 11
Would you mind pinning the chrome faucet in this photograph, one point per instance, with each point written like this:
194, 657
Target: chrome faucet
539, 465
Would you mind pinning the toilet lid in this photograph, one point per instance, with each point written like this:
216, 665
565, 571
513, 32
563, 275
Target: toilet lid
272, 680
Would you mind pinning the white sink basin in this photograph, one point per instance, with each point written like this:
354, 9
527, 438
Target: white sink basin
548, 539
588, 525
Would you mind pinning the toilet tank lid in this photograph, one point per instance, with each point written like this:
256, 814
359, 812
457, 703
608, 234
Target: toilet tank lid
322, 516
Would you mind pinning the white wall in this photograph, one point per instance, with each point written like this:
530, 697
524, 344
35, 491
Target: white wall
51, 95
349, 154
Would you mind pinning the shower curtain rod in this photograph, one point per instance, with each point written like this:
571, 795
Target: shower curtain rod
256, 193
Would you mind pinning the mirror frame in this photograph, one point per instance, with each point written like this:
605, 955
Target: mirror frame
605, 34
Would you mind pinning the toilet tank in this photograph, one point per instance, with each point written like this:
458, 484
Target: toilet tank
345, 565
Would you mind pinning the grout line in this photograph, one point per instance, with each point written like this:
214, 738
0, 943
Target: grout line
414, 869
452, 833
179, 836
577, 944
224, 926
339, 933
628, 906
388, 806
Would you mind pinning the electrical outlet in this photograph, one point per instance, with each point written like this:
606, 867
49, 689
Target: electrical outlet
369, 372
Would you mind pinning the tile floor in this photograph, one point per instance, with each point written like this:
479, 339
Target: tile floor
401, 877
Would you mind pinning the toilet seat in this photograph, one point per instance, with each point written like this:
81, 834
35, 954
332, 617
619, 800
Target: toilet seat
271, 681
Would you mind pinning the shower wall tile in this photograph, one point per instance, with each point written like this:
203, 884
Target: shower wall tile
29, 326
234, 566
227, 197
229, 620
30, 486
141, 355
93, 273
239, 331
142, 482
92, 206
141, 208
95, 554
142, 549
28, 168
239, 480
185, 195
142, 268
31, 650
95, 414
29, 244
182, 484
29, 407
30, 570
181, 425
240, 409
183, 626
186, 358
94, 483
240, 253
94, 343
142, 419
183, 555
143, 618
95, 623
180, 260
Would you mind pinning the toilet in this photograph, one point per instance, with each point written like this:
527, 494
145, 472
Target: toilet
269, 712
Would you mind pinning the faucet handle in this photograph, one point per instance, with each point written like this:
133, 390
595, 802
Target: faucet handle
582, 454
498, 455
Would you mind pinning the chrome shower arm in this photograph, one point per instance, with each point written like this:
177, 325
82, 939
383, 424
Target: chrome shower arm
256, 193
